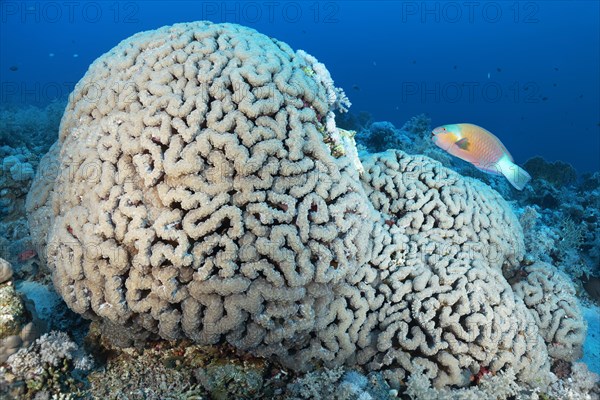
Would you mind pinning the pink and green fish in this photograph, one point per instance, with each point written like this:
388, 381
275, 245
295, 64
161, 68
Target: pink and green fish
481, 148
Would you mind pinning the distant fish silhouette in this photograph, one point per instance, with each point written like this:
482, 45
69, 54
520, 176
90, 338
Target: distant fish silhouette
456, 67
481, 148
13, 68
499, 69
544, 98
556, 68
355, 87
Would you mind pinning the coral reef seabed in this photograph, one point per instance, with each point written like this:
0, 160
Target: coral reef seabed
227, 229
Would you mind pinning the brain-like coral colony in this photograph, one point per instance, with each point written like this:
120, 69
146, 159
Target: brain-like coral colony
205, 192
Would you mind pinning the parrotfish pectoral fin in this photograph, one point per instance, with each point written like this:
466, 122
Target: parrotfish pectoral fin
463, 144
516, 175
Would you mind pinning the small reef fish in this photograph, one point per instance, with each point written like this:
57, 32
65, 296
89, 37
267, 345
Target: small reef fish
481, 148
26, 255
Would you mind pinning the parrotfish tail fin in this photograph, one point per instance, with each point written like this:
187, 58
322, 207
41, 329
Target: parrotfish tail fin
516, 175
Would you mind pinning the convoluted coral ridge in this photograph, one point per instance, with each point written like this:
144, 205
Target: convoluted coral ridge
196, 196
550, 295
447, 306
201, 193
435, 205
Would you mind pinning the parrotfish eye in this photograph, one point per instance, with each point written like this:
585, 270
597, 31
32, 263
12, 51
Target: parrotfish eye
438, 130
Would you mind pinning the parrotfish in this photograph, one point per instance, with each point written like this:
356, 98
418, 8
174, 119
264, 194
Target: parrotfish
481, 148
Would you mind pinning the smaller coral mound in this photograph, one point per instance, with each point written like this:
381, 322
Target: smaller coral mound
550, 296
6, 271
19, 325
20, 170
449, 309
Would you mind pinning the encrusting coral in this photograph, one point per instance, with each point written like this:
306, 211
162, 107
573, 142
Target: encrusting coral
202, 192
550, 294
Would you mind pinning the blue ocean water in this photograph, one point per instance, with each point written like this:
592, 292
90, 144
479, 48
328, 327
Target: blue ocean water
528, 71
